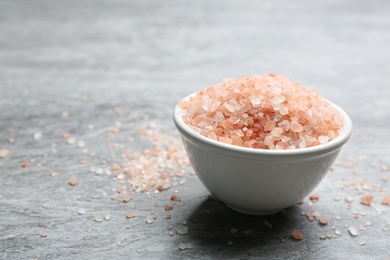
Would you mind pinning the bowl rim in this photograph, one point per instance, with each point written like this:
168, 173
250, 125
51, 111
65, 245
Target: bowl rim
340, 140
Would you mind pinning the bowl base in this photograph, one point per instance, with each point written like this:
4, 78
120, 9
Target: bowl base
253, 212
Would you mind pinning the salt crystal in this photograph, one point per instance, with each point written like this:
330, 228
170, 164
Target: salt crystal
323, 139
182, 246
81, 144
82, 211
65, 114
323, 236
98, 219
353, 231
362, 243
296, 127
182, 230
4, 153
37, 136
255, 101
277, 131
266, 223
323, 220
71, 140
233, 230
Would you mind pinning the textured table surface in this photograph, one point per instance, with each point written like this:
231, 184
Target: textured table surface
110, 72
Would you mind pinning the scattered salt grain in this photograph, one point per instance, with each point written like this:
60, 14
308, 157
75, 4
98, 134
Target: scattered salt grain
353, 231
25, 164
314, 197
182, 230
65, 114
71, 140
130, 214
98, 219
37, 136
233, 230
366, 200
182, 246
81, 144
323, 220
127, 197
266, 223
73, 181
362, 243
386, 200
82, 211
323, 236
4, 153
297, 234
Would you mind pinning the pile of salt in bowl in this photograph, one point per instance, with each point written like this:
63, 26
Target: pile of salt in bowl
264, 112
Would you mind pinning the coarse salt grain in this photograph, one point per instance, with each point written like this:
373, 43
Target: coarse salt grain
297, 234
73, 181
4, 153
366, 200
272, 111
386, 200
25, 164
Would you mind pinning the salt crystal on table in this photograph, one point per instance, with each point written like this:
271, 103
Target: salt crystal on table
182, 231
37, 136
233, 230
353, 231
4, 153
81, 211
182, 246
98, 218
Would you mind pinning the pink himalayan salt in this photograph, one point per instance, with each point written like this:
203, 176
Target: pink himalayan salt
265, 112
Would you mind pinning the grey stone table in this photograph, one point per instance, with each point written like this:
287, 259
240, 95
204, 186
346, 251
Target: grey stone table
88, 84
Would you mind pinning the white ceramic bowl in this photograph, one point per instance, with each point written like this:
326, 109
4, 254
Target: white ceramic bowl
258, 181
